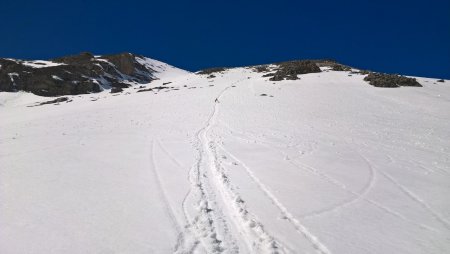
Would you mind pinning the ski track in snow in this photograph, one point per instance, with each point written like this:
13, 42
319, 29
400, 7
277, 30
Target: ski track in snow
169, 155
317, 244
229, 204
414, 197
187, 241
165, 201
418, 200
358, 196
408, 193
205, 222
256, 238
209, 217
370, 183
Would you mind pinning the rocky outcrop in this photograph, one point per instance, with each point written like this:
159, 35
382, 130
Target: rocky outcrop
125, 62
290, 70
287, 70
390, 80
86, 73
71, 75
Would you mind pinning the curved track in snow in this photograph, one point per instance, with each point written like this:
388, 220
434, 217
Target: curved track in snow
165, 201
209, 183
299, 227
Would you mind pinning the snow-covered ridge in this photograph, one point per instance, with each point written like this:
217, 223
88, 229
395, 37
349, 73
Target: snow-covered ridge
162, 70
86, 73
40, 64
34, 63
82, 74
227, 162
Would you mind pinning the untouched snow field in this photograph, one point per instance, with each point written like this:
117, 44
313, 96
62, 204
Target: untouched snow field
325, 164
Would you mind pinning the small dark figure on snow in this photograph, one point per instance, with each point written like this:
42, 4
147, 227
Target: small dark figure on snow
217, 100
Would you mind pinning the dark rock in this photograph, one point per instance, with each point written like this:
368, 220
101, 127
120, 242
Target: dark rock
261, 68
71, 75
290, 70
145, 90
124, 62
55, 101
211, 70
158, 88
390, 80
362, 72
340, 67
116, 90
440, 80
118, 84
333, 64
82, 58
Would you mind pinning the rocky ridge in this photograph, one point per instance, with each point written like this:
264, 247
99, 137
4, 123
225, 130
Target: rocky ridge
77, 74
86, 73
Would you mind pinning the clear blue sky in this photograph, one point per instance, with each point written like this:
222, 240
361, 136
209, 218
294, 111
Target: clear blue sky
407, 37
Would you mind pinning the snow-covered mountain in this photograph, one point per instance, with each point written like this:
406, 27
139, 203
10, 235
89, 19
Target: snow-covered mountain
81, 74
295, 157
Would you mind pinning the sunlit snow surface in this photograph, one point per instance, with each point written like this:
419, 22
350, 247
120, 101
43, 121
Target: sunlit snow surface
329, 164
40, 64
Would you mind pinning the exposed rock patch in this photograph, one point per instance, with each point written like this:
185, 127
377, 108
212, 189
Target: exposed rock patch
390, 80
289, 70
55, 101
71, 75
211, 70
154, 89
116, 90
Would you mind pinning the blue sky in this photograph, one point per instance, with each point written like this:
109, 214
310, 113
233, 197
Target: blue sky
407, 37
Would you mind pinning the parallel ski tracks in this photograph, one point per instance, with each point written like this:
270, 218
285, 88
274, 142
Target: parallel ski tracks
361, 195
299, 227
209, 183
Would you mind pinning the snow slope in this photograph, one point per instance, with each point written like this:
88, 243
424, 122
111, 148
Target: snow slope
324, 164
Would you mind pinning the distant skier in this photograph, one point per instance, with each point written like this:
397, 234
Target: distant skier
217, 100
